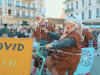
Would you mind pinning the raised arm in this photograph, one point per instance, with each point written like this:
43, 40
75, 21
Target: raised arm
54, 36
68, 42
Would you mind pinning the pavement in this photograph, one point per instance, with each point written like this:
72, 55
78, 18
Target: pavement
95, 69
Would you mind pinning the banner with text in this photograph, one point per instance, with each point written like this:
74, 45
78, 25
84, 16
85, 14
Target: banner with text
15, 56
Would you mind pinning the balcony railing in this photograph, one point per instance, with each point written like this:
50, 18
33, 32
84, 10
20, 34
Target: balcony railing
29, 8
69, 10
9, 5
66, 1
83, 18
90, 17
30, 0
97, 16
33, 9
28, 17
10, 25
89, 4
23, 7
18, 6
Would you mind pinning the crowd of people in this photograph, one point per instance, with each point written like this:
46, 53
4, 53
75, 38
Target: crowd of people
20, 32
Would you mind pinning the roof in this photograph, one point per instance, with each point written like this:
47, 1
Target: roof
55, 21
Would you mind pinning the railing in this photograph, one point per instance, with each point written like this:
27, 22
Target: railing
97, 16
9, 5
23, 7
82, 18
28, 8
33, 9
28, 17
66, 1
18, 6
89, 4
89, 17
69, 10
10, 24
30, 0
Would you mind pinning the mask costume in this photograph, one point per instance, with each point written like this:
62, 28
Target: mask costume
41, 36
86, 35
67, 50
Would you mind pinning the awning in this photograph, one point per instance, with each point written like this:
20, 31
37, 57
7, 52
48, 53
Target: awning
93, 26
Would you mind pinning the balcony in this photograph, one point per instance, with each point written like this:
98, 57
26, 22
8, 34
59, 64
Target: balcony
18, 6
23, 7
29, 8
89, 17
66, 1
33, 9
23, 17
17, 16
29, 17
34, 17
69, 10
10, 25
89, 4
30, 0
97, 16
82, 18
9, 5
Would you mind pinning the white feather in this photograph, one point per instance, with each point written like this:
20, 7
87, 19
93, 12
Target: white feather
43, 11
78, 19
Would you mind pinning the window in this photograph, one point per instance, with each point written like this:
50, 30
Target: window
9, 11
38, 6
17, 13
83, 15
97, 12
0, 2
29, 14
82, 3
77, 5
41, 6
67, 6
71, 5
33, 5
17, 3
34, 14
97, 1
29, 22
90, 14
9, 2
89, 2
23, 14
5, 2
23, 5
0, 21
0, 11
18, 22
28, 5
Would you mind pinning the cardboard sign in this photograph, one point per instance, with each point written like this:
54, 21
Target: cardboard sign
86, 60
15, 56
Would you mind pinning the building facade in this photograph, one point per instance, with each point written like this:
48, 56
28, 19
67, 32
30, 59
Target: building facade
89, 10
13, 12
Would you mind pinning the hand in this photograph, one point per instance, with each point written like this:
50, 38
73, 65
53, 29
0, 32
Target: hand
48, 46
45, 30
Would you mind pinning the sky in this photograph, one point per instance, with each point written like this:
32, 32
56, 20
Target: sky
54, 8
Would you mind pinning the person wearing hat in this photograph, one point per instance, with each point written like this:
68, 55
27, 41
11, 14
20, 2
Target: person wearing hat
42, 37
4, 30
67, 50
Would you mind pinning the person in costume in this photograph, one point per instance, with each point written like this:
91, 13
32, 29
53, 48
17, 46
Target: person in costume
95, 38
86, 35
42, 37
67, 50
